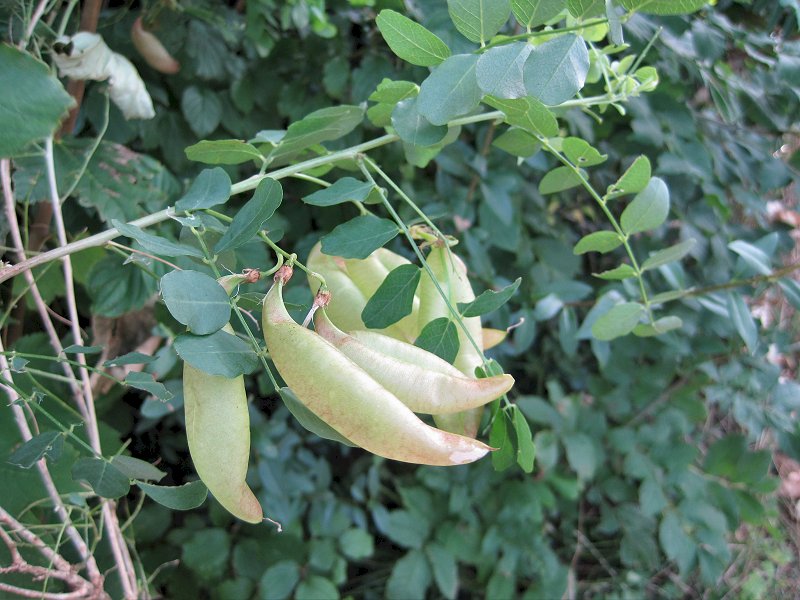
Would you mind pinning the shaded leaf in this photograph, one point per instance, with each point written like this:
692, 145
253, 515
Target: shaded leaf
106, 480
450, 91
618, 321
134, 468
633, 180
405, 528
78, 349
677, 545
131, 358
48, 443
530, 13
250, 219
586, 9
556, 70
668, 255
145, 381
210, 188
394, 298
410, 577
624, 271
33, 100
357, 544
117, 182
499, 438
220, 353
315, 587
599, 241
499, 70
526, 113
202, 109
196, 300
359, 237
581, 153
319, 126
518, 142
410, 40
753, 256
346, 189
279, 580
649, 208
743, 320
387, 95
558, 180
526, 451
154, 243
445, 569
413, 128
664, 7
440, 337
488, 301
581, 454
479, 20
223, 152
662, 325
181, 497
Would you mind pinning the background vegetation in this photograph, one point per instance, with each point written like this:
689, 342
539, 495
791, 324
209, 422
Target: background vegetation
654, 471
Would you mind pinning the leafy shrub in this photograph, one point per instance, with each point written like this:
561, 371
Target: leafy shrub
638, 221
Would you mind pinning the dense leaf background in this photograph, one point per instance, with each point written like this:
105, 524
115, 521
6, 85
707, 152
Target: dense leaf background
652, 453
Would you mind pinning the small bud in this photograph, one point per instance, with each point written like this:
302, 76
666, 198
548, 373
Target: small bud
283, 275
251, 275
322, 298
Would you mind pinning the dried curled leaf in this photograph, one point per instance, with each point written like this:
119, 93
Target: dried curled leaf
86, 56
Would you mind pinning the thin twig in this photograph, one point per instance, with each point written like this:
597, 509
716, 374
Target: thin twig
63, 569
247, 185
37, 14
44, 473
119, 548
41, 305
72, 305
143, 253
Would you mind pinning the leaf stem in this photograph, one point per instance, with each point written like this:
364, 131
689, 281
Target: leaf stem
210, 260
609, 215
543, 32
425, 265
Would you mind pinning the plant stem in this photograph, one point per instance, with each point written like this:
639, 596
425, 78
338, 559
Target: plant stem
251, 183
234, 304
543, 32
609, 215
425, 265
86, 555
122, 558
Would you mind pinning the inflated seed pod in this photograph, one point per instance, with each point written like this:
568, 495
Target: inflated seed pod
218, 431
421, 380
343, 395
352, 283
152, 50
451, 274
347, 301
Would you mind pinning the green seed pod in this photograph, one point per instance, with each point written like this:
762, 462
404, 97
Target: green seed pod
218, 431
352, 283
451, 274
422, 381
343, 395
347, 301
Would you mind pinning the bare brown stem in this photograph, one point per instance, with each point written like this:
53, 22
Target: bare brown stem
61, 510
60, 568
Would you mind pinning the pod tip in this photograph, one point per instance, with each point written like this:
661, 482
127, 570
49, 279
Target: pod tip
468, 455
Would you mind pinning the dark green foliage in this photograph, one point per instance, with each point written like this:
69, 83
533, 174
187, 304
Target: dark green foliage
642, 414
